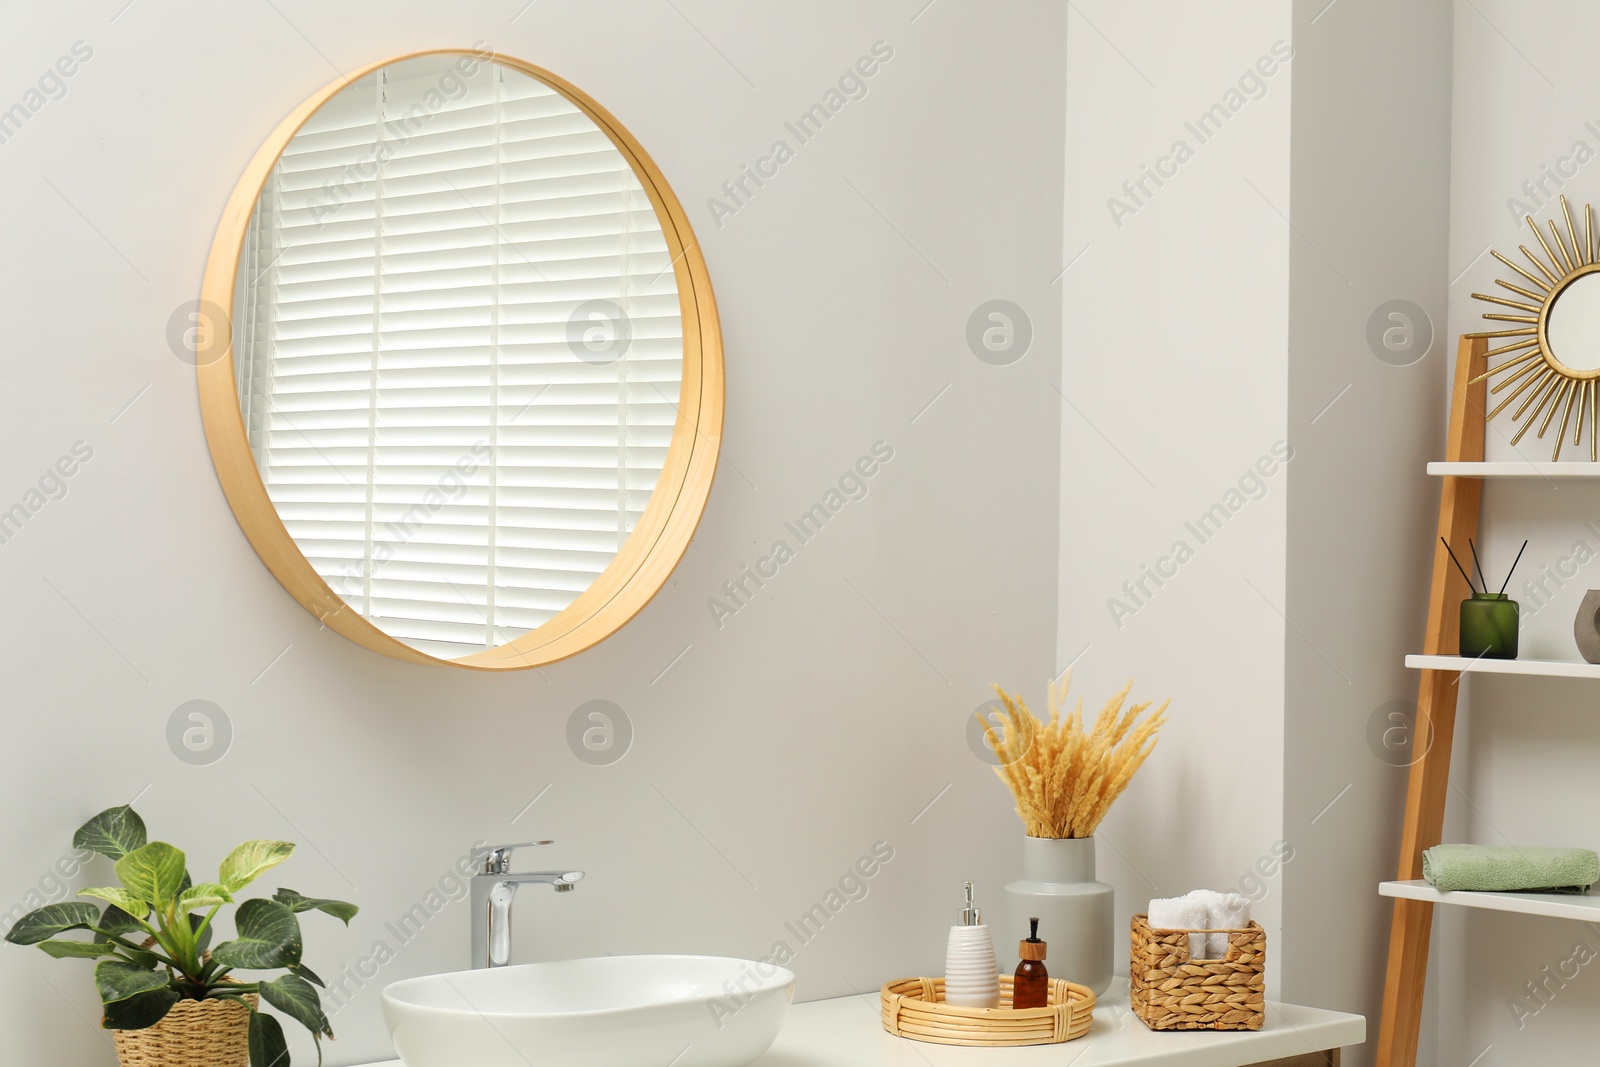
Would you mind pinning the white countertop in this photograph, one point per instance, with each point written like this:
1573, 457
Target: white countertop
848, 1032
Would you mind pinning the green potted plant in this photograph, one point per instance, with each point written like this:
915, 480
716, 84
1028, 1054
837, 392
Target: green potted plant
171, 999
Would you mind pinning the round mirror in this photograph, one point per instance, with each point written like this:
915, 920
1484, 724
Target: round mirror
1572, 325
471, 406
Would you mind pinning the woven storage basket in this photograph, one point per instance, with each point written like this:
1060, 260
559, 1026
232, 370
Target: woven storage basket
1169, 991
915, 1008
195, 1033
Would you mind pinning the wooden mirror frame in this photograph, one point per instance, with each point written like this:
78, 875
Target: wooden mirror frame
646, 559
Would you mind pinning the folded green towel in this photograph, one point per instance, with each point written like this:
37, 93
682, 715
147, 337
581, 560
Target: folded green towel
1506, 868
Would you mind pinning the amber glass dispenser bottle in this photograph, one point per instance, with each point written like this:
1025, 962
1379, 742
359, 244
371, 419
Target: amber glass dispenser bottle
1031, 986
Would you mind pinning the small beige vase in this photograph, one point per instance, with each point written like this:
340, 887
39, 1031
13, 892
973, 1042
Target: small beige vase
195, 1033
1586, 627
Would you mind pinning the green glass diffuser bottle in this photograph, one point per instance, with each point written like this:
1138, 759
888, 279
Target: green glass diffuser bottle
1489, 624
1489, 621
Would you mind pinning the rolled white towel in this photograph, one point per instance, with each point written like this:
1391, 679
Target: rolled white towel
1226, 911
1182, 913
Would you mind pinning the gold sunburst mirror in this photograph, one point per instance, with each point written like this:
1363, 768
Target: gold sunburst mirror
1552, 360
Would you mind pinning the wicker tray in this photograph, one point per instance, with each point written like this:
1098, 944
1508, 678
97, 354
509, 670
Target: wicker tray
915, 1008
1169, 991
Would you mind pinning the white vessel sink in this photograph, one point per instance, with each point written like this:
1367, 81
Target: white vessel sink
612, 1011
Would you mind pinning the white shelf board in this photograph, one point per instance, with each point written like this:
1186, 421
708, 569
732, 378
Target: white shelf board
1517, 469
1583, 906
1548, 668
848, 1032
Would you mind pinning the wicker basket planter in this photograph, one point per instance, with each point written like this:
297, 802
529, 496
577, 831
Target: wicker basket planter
915, 1008
1169, 991
195, 1033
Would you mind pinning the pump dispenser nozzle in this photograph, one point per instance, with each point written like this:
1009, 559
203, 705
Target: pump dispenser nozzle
970, 915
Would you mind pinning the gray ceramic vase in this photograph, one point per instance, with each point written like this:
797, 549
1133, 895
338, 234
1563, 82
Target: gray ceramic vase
1586, 627
1076, 915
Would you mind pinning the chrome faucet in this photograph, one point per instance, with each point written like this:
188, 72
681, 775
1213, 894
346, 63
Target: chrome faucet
493, 889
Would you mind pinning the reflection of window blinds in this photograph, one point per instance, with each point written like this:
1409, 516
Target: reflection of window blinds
452, 464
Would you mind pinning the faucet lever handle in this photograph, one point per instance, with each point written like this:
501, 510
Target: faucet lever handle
497, 858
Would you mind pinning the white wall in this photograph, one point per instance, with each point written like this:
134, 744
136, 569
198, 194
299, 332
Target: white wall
1176, 382
1371, 184
825, 716
1526, 748
1202, 329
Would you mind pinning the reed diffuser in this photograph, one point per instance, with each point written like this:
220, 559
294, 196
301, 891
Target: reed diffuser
1064, 779
1489, 621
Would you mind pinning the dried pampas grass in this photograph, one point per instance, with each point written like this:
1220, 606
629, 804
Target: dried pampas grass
1064, 778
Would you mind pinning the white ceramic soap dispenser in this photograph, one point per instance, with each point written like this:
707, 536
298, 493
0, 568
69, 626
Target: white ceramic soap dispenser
971, 975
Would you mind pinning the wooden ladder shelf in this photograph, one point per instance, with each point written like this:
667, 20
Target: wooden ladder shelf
1434, 729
